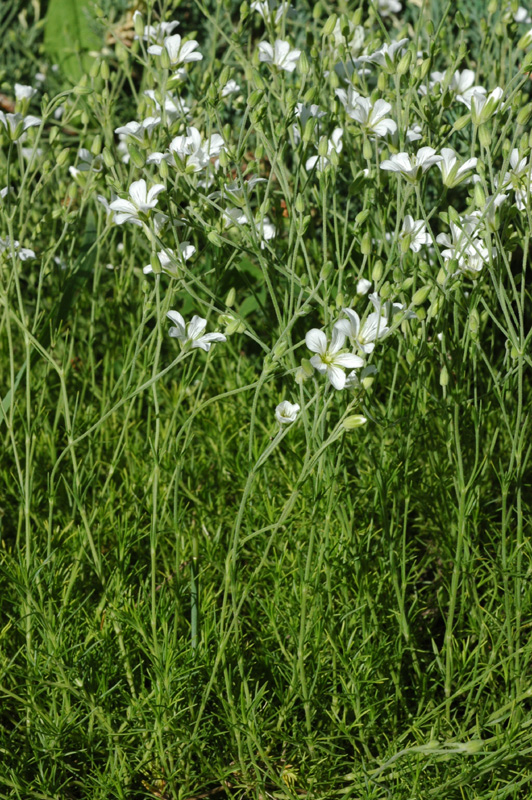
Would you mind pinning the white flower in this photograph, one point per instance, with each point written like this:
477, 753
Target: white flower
518, 178
139, 130
460, 84
173, 106
354, 41
522, 16
387, 7
363, 336
469, 252
167, 259
191, 334
482, 106
192, 150
266, 8
328, 359
412, 167
416, 230
334, 145
386, 56
304, 113
24, 253
280, 55
157, 33
231, 87
24, 92
452, 173
372, 116
286, 412
179, 52
363, 286
142, 202
16, 124
86, 163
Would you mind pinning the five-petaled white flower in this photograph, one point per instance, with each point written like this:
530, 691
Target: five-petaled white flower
482, 105
179, 52
328, 359
280, 54
363, 335
416, 231
412, 167
286, 412
372, 116
386, 56
464, 247
192, 150
191, 334
142, 202
452, 171
139, 130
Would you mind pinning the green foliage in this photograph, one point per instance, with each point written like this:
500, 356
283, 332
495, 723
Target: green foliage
70, 36
196, 600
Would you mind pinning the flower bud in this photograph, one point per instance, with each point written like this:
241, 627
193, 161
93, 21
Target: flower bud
479, 195
523, 116
323, 147
365, 244
138, 22
330, 25
421, 295
215, 239
230, 299
62, 157
404, 63
136, 156
461, 122
376, 273
326, 270
108, 159
303, 67
484, 136
254, 98
367, 150
307, 367
96, 147
444, 377
354, 421
474, 324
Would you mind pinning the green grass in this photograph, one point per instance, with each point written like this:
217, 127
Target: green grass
195, 601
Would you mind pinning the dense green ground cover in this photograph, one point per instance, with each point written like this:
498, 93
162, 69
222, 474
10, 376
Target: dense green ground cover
196, 599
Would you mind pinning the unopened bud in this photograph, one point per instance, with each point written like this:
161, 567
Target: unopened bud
330, 25
376, 273
62, 157
354, 421
230, 299
108, 159
421, 295
444, 376
365, 244
404, 63
474, 324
